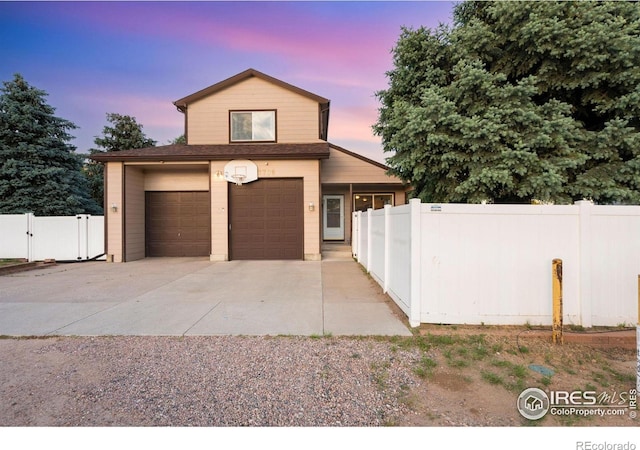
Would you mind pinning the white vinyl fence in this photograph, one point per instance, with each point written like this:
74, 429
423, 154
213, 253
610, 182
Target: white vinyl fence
491, 264
68, 238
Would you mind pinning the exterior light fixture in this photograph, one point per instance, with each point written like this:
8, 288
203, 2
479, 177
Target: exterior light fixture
114, 207
311, 206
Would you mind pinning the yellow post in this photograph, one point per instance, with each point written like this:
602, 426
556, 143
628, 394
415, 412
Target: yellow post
556, 276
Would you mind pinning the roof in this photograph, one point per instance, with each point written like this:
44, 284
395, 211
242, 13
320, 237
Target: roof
183, 102
184, 152
360, 157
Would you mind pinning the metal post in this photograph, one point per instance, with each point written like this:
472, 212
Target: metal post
556, 276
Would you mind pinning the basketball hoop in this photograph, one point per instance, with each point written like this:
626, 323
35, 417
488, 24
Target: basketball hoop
240, 171
238, 178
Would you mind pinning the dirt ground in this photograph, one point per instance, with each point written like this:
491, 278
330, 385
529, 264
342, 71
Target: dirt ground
479, 372
463, 376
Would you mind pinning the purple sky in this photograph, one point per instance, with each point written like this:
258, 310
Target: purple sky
136, 58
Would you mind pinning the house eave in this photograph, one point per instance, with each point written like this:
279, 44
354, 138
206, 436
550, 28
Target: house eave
218, 152
182, 103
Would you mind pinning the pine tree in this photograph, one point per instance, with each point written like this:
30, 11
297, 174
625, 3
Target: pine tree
39, 171
518, 101
124, 133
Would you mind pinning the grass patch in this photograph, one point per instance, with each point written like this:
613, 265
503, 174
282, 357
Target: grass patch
379, 374
458, 363
441, 339
492, 377
425, 367
620, 377
10, 262
600, 378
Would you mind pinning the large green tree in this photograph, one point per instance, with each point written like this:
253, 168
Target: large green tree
122, 133
39, 171
518, 101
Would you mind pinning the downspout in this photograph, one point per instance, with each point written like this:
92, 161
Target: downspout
105, 209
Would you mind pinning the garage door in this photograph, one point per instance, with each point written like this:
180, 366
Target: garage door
266, 219
178, 224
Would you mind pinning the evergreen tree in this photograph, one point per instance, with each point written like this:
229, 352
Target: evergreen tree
39, 171
518, 101
179, 140
124, 133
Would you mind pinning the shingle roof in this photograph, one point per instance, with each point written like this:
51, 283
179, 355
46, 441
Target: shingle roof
183, 152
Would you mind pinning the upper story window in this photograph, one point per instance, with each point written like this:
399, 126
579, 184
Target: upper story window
252, 126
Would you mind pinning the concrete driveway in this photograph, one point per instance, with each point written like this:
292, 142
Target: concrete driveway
193, 296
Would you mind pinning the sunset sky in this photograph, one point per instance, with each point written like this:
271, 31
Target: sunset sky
136, 58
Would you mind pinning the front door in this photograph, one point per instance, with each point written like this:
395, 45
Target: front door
333, 217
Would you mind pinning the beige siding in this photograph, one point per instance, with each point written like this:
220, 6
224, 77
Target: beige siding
296, 116
177, 180
219, 213
114, 179
344, 168
134, 213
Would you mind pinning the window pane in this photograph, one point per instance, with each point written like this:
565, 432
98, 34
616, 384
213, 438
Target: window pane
333, 213
241, 126
363, 202
379, 200
264, 126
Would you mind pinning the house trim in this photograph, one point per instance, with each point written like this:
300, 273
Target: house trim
360, 157
183, 103
219, 152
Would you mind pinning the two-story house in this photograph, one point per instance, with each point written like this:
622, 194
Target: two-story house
257, 179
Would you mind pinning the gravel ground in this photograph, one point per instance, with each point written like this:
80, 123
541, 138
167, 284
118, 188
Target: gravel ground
203, 381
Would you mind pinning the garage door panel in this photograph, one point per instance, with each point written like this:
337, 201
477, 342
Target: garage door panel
267, 219
178, 224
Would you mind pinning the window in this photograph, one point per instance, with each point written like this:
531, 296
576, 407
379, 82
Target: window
252, 126
362, 202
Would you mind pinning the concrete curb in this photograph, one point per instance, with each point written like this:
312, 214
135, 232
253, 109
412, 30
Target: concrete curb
22, 267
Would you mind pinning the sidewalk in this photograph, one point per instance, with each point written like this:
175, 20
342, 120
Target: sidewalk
354, 304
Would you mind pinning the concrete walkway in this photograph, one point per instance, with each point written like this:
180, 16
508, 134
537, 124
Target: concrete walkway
192, 296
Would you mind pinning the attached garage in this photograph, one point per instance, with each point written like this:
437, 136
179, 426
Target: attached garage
266, 219
177, 224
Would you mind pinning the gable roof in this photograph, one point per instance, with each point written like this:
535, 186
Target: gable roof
184, 152
249, 73
360, 157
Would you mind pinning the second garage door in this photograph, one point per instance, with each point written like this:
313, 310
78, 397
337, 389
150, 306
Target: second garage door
266, 219
178, 224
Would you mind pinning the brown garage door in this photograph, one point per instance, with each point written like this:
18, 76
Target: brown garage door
266, 219
178, 224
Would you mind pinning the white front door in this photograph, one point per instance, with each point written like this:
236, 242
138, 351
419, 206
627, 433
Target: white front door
333, 217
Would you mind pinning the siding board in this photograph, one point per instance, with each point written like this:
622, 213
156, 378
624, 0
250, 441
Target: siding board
297, 116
